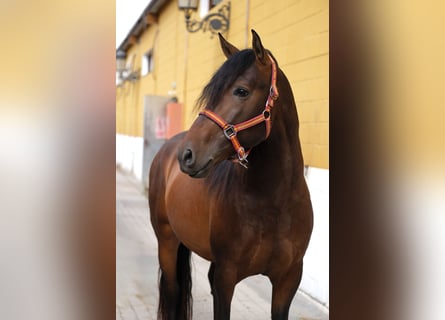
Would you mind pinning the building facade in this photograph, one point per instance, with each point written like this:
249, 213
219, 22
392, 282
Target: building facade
169, 66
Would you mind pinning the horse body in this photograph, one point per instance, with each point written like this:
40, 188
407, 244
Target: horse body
246, 222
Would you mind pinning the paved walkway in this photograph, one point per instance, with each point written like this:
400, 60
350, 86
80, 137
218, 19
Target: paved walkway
137, 270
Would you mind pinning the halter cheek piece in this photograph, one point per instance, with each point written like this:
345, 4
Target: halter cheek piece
231, 130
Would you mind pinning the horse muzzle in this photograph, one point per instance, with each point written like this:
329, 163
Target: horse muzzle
189, 164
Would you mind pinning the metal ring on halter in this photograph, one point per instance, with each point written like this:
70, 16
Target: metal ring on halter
243, 162
266, 114
242, 157
229, 131
241, 153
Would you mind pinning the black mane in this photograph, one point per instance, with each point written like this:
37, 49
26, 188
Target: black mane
226, 75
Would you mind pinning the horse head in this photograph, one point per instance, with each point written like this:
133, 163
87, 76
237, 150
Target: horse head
236, 112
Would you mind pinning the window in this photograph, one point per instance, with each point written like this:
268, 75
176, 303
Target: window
147, 63
206, 5
213, 3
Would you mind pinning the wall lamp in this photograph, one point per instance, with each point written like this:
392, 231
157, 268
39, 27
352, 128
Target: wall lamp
124, 71
214, 22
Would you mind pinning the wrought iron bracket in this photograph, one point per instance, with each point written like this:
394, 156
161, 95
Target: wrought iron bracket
214, 22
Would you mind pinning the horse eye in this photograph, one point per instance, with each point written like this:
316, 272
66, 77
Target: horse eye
240, 92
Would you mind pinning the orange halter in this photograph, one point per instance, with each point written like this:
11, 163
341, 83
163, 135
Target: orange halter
231, 130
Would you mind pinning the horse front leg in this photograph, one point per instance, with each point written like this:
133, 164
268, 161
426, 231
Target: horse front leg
284, 288
224, 281
168, 285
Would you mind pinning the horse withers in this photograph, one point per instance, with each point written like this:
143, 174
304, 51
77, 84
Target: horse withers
232, 189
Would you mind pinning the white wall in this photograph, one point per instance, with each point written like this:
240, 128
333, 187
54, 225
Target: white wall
129, 151
315, 281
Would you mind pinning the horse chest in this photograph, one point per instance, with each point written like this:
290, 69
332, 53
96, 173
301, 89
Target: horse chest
188, 215
253, 237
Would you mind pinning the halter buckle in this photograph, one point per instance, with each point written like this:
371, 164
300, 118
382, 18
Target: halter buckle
229, 132
273, 93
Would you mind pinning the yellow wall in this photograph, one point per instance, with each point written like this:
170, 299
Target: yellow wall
296, 32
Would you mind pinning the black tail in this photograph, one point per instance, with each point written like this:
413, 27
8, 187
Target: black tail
184, 281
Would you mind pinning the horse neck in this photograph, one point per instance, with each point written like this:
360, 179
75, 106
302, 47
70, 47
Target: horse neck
278, 162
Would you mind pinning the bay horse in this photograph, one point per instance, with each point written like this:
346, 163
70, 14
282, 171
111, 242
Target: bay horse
247, 216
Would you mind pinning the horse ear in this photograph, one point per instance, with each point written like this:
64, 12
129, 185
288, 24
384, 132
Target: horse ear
258, 48
226, 47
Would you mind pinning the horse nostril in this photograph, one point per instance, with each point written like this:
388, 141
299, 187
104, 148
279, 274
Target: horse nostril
187, 158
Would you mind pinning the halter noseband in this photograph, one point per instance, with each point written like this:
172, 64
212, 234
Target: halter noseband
231, 130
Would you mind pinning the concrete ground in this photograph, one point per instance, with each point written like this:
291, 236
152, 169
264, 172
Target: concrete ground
137, 270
